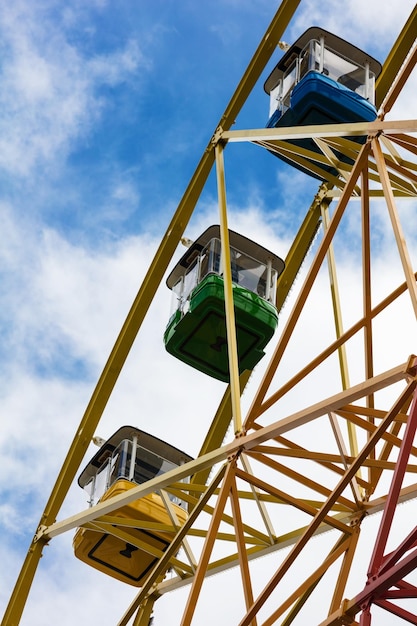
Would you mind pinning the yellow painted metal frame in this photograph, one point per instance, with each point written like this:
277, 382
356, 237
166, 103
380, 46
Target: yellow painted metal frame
337, 502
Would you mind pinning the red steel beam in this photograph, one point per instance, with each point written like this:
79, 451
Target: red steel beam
378, 587
398, 611
390, 559
394, 492
388, 570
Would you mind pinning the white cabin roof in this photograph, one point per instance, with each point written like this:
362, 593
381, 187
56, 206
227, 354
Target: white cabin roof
154, 444
241, 243
334, 42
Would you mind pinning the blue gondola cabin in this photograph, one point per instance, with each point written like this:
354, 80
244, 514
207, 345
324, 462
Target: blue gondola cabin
196, 331
129, 458
321, 79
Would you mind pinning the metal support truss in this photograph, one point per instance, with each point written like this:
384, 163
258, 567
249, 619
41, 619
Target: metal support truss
273, 489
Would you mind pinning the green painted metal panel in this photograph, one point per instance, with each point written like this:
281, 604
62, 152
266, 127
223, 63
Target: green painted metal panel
199, 336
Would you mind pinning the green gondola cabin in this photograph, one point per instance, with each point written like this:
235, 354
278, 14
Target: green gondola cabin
196, 331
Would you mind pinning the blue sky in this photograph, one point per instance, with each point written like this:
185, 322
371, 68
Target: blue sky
105, 110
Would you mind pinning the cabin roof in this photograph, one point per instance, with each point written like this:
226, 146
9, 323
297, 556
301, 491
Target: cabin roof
154, 444
241, 243
334, 42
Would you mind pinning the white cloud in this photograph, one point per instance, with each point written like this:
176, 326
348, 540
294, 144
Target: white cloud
84, 296
49, 90
366, 24
114, 68
64, 302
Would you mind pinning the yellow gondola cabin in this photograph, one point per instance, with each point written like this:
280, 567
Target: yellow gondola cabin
130, 457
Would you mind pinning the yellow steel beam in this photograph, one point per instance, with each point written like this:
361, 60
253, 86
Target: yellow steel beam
389, 437
318, 519
141, 305
405, 371
396, 58
144, 614
329, 460
345, 569
154, 276
396, 225
297, 599
399, 82
332, 462
298, 503
309, 160
258, 497
241, 547
300, 246
258, 404
218, 428
209, 543
337, 313
312, 220
172, 549
228, 294
351, 129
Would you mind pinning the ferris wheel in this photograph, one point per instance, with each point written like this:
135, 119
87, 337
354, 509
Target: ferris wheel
327, 442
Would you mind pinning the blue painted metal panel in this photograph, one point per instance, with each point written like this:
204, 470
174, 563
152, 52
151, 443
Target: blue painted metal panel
317, 99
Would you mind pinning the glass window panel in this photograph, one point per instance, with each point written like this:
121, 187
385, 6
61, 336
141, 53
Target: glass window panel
307, 61
289, 80
274, 99
101, 482
251, 274
148, 465
337, 66
190, 280
89, 488
176, 298
120, 462
349, 74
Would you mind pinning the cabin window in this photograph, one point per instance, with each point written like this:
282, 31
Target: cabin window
120, 461
247, 272
318, 57
191, 278
252, 275
99, 484
280, 95
147, 465
210, 259
350, 74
